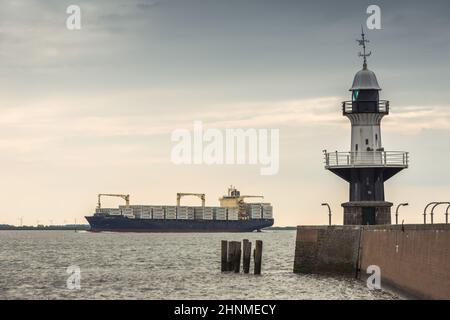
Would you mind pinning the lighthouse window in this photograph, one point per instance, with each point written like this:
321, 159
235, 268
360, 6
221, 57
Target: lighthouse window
376, 137
367, 142
356, 147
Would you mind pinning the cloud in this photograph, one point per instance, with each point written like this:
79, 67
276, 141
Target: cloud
105, 116
411, 120
62, 127
148, 4
69, 117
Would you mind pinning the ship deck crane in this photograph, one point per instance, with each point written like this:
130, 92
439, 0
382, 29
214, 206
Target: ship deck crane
200, 195
234, 193
242, 197
125, 197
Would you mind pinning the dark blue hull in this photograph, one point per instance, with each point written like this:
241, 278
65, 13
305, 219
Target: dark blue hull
123, 224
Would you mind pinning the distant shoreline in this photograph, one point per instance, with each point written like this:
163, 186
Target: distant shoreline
282, 228
45, 228
84, 227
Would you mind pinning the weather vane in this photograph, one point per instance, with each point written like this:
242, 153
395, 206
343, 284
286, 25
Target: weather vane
362, 42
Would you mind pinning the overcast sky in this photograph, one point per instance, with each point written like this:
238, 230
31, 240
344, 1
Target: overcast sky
89, 111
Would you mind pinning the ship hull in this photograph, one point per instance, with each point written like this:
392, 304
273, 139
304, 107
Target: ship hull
123, 224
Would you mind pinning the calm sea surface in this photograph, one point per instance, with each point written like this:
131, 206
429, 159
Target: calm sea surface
34, 265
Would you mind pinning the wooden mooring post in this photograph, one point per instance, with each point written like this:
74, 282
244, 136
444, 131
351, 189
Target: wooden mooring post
230, 256
247, 253
237, 257
231, 252
224, 261
257, 256
233, 259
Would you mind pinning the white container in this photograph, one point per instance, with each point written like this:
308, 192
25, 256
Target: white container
221, 217
190, 213
220, 213
171, 216
232, 213
170, 212
127, 211
182, 213
254, 210
208, 213
267, 211
158, 210
198, 213
102, 210
108, 211
147, 212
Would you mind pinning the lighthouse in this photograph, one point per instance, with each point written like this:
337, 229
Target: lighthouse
367, 165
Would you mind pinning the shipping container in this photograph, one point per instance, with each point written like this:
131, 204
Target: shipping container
254, 210
171, 216
182, 213
190, 213
220, 213
267, 211
198, 213
232, 213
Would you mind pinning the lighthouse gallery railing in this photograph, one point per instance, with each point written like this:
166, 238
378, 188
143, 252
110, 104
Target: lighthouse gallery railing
366, 158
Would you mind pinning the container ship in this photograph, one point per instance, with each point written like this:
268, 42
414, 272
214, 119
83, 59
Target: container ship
233, 215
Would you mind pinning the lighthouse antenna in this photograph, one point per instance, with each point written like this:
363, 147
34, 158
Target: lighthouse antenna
362, 42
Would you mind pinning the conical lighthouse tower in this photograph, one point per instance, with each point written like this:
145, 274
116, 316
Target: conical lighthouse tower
367, 166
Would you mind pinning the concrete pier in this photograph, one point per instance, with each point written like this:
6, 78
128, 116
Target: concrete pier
414, 259
325, 249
